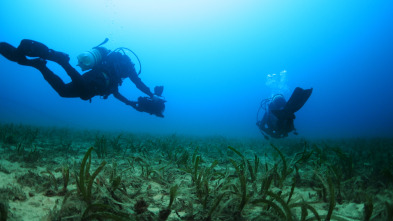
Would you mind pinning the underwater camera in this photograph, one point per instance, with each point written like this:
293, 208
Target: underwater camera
155, 105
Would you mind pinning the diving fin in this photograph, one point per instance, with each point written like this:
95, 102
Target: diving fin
12, 54
36, 49
297, 99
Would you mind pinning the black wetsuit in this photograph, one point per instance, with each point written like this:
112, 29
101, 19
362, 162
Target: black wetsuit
103, 80
273, 126
279, 116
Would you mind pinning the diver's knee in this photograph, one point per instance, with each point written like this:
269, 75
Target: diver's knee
60, 89
62, 94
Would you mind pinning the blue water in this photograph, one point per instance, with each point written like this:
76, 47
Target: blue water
214, 58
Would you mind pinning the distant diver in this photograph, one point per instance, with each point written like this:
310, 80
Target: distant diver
277, 120
106, 71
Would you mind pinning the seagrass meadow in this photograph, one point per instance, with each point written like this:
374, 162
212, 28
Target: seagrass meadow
52, 173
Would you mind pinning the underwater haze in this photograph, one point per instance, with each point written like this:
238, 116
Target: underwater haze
215, 60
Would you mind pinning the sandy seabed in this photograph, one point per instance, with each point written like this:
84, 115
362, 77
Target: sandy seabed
54, 174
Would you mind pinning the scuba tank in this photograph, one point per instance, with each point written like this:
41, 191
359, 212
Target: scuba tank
87, 60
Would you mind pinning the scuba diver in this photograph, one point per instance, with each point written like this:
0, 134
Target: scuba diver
106, 71
277, 120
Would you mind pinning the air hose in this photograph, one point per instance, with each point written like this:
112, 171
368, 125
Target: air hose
122, 50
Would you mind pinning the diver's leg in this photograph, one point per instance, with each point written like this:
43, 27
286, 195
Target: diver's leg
73, 73
36, 49
12, 54
9, 52
64, 90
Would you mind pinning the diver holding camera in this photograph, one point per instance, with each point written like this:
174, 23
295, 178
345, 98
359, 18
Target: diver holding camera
106, 71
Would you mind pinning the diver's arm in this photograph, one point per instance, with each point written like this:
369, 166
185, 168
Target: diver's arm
139, 84
125, 100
